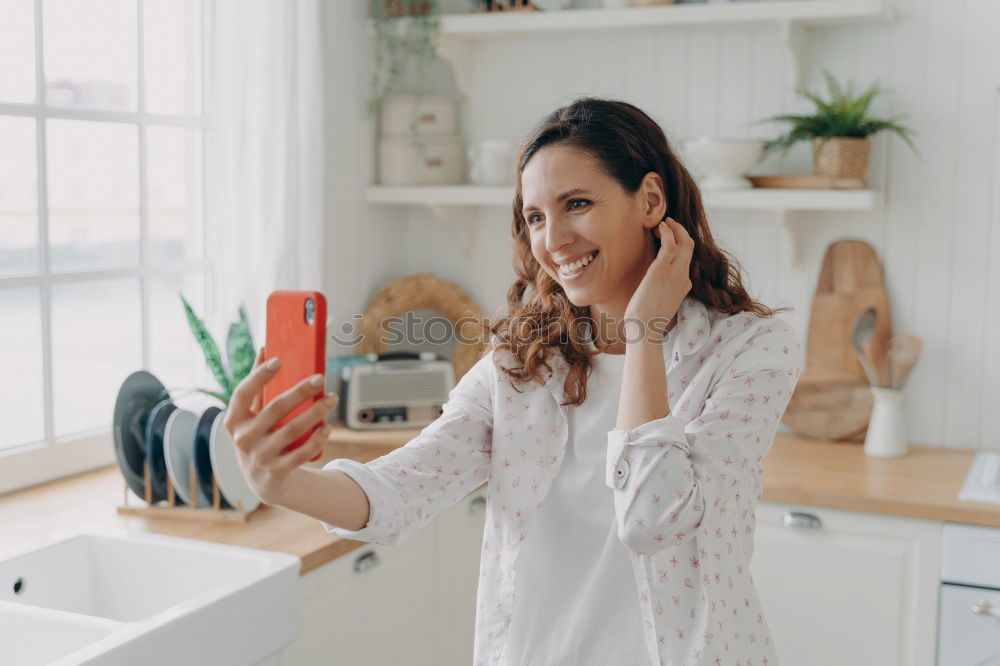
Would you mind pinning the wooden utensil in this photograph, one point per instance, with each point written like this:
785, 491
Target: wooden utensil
904, 350
829, 405
832, 399
809, 182
862, 330
850, 281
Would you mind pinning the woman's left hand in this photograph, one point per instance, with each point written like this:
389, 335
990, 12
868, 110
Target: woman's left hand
662, 290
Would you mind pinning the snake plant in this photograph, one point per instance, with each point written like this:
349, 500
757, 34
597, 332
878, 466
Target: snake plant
240, 352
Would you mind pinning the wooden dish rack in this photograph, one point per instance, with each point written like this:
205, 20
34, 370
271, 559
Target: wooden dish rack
215, 513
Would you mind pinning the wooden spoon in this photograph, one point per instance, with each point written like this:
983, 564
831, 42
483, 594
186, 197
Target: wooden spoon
904, 350
863, 329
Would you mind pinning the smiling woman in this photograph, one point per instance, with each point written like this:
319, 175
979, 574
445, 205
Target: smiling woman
595, 178
622, 484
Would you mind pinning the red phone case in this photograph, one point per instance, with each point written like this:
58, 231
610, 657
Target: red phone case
300, 345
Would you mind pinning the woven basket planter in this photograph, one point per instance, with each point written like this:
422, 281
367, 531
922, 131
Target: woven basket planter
425, 290
841, 157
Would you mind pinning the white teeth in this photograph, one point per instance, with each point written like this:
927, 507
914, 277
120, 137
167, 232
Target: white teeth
569, 269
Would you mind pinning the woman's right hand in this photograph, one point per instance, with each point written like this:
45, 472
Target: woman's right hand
260, 449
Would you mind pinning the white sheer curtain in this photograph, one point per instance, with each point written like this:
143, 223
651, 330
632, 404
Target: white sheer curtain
264, 158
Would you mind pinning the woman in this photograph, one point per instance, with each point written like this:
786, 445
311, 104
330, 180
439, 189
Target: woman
620, 418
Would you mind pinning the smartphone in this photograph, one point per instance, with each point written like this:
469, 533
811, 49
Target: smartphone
296, 333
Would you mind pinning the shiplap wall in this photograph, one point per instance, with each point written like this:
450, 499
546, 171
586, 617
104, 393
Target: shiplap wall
937, 237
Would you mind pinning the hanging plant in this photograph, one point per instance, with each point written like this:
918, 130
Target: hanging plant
403, 29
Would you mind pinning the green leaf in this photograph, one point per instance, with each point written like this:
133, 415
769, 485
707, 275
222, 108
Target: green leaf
239, 346
843, 114
208, 346
224, 397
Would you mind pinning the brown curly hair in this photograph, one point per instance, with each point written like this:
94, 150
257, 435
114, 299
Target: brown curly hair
627, 144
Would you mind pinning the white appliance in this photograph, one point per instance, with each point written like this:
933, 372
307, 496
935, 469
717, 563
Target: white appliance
982, 481
969, 606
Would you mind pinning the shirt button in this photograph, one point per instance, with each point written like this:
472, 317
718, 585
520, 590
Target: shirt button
621, 473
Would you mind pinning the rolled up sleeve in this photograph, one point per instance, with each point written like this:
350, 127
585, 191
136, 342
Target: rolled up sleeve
670, 475
448, 459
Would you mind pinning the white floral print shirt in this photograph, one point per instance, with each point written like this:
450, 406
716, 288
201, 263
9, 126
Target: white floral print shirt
686, 484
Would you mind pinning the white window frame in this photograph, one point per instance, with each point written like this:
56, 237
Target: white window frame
38, 462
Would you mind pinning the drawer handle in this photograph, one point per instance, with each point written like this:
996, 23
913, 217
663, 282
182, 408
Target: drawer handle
986, 608
800, 519
366, 561
477, 505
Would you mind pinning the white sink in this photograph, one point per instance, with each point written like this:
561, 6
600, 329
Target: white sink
105, 596
30, 635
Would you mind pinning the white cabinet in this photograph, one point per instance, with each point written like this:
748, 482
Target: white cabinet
373, 605
458, 546
843, 587
838, 587
414, 604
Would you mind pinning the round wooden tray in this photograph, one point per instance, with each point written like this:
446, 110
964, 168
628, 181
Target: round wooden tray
419, 291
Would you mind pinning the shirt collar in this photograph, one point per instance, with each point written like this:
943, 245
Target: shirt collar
687, 337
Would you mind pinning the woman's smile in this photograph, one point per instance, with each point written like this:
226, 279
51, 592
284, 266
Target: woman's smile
573, 271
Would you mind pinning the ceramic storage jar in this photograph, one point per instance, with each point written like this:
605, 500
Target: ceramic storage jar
436, 156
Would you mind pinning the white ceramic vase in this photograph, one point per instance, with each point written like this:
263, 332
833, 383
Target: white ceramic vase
886, 436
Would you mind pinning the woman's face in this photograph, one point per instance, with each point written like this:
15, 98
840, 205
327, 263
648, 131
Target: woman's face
573, 211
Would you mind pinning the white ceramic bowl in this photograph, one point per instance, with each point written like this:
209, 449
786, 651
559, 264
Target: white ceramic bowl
723, 162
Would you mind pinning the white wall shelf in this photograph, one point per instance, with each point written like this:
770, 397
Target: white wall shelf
459, 32
457, 204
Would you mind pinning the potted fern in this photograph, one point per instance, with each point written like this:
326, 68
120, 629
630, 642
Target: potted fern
839, 130
240, 352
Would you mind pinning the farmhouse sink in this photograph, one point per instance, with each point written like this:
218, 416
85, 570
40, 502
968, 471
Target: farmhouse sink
101, 595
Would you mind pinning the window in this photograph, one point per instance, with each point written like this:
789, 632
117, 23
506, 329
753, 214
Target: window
101, 219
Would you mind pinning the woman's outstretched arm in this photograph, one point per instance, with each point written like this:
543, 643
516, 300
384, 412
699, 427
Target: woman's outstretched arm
386, 499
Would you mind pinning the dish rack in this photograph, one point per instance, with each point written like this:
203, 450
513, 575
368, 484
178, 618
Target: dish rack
215, 513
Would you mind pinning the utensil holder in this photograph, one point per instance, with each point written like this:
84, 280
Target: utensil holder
215, 513
886, 436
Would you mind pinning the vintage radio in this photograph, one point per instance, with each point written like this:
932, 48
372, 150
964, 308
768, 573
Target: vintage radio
397, 390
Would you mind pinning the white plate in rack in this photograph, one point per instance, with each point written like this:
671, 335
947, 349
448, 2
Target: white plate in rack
178, 451
232, 484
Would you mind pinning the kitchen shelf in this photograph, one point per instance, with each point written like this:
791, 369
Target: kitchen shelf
459, 32
458, 204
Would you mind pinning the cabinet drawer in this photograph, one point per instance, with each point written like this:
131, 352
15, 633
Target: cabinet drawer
844, 587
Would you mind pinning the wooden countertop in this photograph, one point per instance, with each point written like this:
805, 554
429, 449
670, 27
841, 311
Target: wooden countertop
922, 484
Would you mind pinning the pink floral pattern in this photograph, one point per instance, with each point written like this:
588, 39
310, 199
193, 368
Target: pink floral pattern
686, 485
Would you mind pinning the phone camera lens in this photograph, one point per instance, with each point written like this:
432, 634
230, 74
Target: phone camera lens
310, 311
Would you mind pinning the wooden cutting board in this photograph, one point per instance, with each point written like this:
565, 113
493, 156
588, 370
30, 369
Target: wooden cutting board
832, 399
809, 182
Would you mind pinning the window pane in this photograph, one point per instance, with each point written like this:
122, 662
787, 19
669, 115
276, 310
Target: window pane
172, 58
18, 196
91, 53
93, 194
174, 355
21, 397
96, 344
17, 51
174, 192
